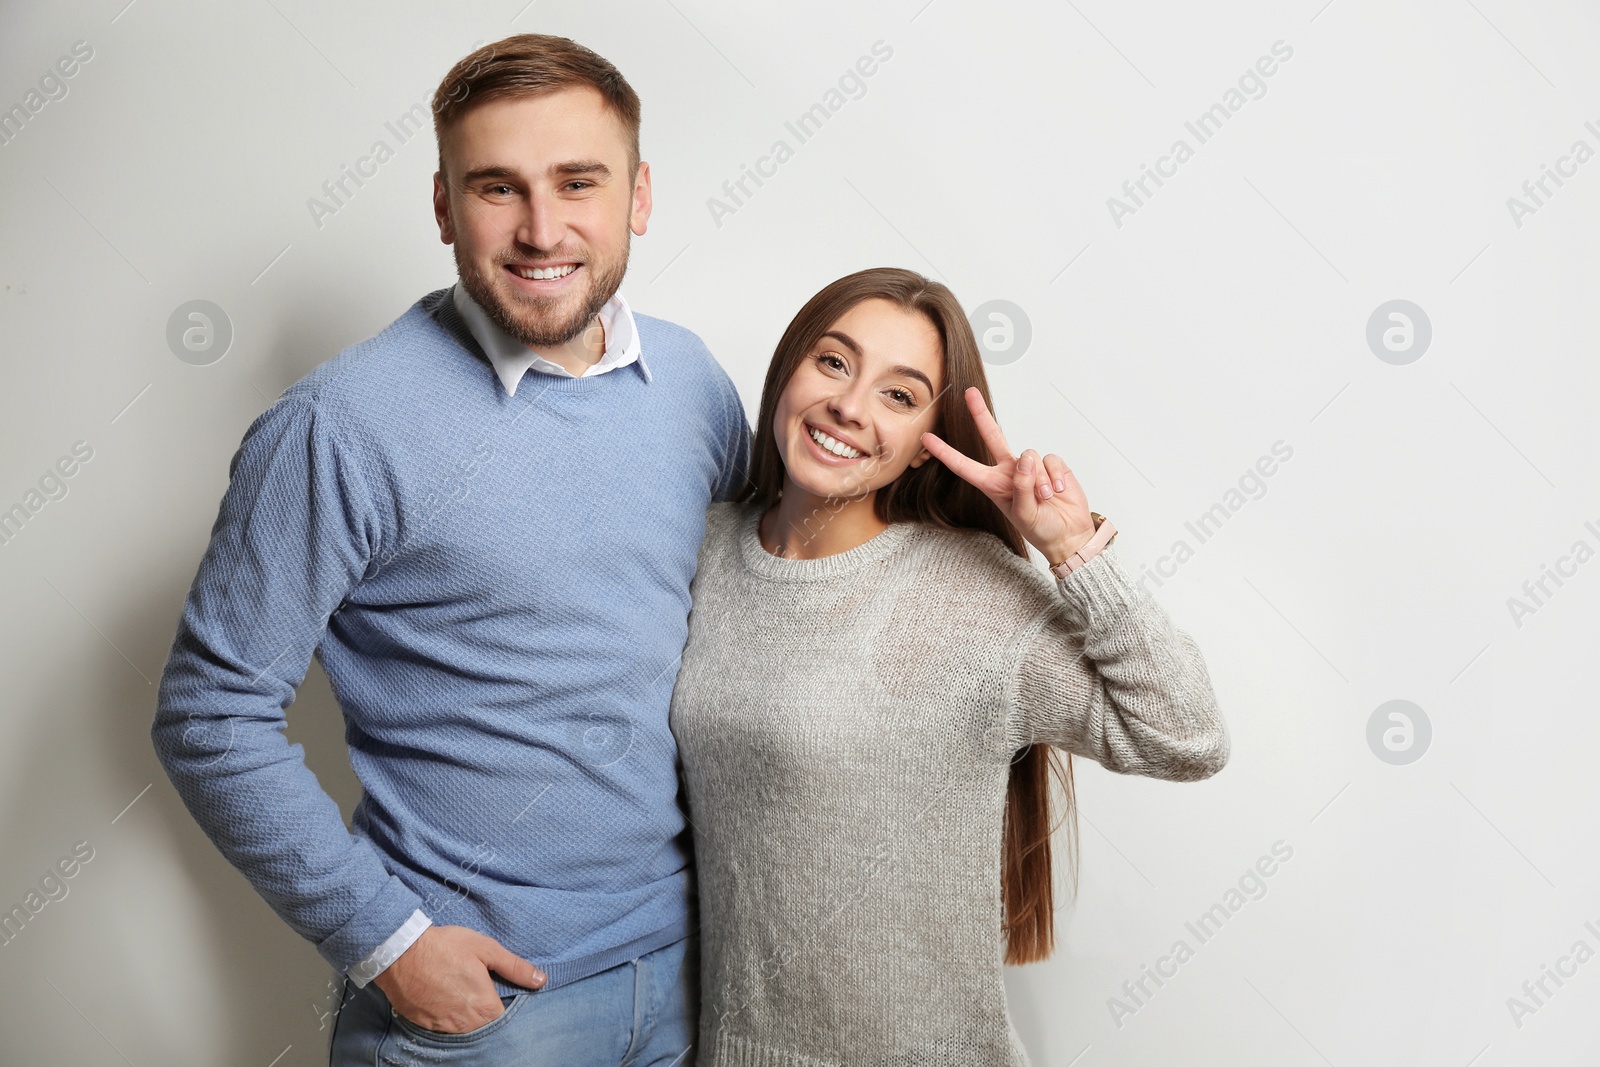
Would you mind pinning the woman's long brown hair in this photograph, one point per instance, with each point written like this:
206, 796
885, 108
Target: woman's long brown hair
933, 494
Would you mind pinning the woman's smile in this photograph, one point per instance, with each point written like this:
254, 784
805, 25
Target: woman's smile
830, 448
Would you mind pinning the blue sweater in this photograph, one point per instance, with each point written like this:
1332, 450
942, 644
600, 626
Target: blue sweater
498, 590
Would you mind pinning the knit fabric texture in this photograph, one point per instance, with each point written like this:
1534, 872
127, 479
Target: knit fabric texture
498, 590
846, 726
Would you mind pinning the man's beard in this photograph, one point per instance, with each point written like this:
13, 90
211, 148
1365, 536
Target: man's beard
538, 321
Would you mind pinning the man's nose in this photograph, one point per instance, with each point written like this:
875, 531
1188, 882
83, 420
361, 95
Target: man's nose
542, 225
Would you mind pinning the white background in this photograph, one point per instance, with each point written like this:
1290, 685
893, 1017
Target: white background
1168, 354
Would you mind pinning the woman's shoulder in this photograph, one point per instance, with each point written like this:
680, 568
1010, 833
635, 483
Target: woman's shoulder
724, 526
725, 518
971, 560
960, 545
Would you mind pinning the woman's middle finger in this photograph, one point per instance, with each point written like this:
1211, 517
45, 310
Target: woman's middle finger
1058, 471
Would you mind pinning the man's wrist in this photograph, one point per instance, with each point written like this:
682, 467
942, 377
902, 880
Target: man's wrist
392, 948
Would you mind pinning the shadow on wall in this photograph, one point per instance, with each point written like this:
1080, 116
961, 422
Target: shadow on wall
159, 947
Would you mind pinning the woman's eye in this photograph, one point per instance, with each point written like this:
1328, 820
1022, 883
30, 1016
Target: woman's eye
901, 396
828, 359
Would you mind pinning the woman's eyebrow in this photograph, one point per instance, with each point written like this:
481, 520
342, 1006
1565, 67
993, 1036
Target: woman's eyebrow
900, 369
844, 339
912, 372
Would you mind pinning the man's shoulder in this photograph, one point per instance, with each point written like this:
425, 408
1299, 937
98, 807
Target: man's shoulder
662, 341
399, 359
666, 332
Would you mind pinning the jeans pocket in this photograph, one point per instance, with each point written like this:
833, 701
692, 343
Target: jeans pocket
439, 1037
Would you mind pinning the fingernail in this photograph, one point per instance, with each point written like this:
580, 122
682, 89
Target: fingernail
1061, 484
1025, 464
1047, 492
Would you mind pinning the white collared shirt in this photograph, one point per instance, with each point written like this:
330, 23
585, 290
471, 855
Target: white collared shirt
512, 359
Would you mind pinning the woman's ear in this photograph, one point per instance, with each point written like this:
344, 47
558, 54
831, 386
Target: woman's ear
923, 455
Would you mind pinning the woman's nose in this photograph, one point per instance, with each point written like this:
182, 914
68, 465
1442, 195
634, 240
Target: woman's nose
847, 405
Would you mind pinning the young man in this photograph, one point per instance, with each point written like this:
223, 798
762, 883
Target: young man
484, 520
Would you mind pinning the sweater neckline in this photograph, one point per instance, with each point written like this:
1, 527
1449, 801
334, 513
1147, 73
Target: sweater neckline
759, 561
439, 309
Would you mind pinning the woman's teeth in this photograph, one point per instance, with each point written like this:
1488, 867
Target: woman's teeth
838, 448
545, 273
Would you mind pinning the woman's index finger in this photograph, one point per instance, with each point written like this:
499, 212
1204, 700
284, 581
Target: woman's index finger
988, 429
960, 464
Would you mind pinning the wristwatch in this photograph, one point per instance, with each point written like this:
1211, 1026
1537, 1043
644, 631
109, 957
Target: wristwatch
1104, 534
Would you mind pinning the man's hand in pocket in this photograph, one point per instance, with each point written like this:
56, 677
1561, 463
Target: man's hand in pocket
442, 981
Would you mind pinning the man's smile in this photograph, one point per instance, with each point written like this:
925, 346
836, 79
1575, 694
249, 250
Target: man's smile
542, 279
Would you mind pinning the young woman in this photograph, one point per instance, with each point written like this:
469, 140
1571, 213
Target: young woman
874, 677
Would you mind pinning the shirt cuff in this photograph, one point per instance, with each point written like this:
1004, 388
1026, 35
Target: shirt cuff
390, 950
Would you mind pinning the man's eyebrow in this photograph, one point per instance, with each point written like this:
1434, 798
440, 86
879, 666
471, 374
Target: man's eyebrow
480, 173
582, 166
900, 368
576, 166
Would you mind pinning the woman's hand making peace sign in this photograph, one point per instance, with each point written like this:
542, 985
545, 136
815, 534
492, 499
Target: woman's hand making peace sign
1043, 500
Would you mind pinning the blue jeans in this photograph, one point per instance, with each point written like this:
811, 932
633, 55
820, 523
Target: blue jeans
642, 1013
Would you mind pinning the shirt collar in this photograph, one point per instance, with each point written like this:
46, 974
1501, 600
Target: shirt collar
512, 359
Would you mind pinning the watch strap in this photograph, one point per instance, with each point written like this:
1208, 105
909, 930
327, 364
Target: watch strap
1104, 534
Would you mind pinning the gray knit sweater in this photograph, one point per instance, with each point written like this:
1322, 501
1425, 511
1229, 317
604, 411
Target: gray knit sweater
846, 726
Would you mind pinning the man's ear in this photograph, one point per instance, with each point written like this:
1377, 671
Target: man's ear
441, 209
639, 210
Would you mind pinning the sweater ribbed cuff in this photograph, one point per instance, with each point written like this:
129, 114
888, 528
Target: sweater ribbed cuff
392, 949
370, 926
1098, 589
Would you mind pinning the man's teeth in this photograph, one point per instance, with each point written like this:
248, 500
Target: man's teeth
838, 448
545, 273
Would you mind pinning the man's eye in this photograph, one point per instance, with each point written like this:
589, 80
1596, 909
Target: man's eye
497, 189
579, 186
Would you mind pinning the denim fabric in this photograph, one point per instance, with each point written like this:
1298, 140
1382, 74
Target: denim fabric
641, 1013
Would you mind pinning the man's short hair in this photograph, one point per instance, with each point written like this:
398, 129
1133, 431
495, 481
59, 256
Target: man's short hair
531, 64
